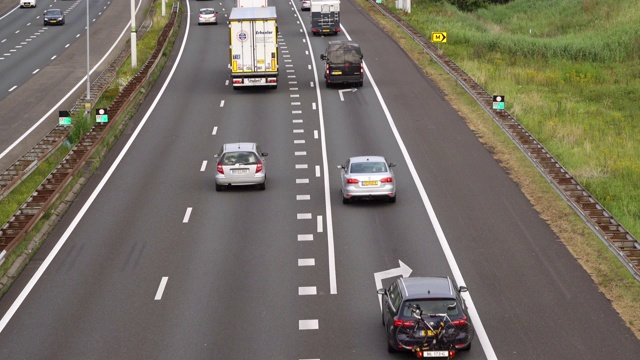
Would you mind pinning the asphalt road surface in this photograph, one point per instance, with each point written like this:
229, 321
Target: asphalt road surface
151, 262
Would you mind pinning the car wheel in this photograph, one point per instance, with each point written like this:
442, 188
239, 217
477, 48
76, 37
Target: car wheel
391, 349
345, 200
393, 199
263, 186
218, 187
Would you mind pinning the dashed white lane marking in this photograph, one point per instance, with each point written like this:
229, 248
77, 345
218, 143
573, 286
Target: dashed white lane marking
295, 103
288, 60
309, 66
303, 197
66, 46
296, 111
292, 82
297, 121
319, 224
315, 134
163, 284
307, 262
215, 130
291, 76
307, 290
288, 65
294, 89
313, 106
300, 153
306, 52
17, 31
204, 165
305, 237
317, 170
35, 71
222, 103
294, 95
226, 82
302, 166
312, 84
3, 40
304, 216
54, 56
302, 181
308, 324
298, 131
79, 34
187, 215
13, 88
290, 70
300, 141
286, 56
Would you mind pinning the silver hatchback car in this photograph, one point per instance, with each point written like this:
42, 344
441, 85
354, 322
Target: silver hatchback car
366, 177
241, 164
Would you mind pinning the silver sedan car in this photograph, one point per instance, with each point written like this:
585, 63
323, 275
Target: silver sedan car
367, 177
241, 164
207, 16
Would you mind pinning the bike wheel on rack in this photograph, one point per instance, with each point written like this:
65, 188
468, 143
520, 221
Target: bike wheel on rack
411, 336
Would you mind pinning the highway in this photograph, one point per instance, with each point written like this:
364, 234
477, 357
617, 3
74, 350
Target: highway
151, 262
43, 68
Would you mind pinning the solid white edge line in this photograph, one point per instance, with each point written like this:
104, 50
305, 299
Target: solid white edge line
163, 284
47, 261
473, 313
81, 82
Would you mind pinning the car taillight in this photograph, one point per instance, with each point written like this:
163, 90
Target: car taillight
259, 167
386, 180
352, 181
326, 69
403, 323
220, 169
460, 322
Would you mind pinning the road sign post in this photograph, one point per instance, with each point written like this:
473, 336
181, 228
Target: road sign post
498, 102
102, 116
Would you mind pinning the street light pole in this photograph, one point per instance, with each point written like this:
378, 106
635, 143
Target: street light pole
87, 104
134, 55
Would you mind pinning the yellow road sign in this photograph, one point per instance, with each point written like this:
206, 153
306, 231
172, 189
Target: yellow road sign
440, 36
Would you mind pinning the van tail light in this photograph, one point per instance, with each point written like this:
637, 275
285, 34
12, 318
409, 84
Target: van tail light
386, 180
352, 181
326, 69
259, 166
220, 169
361, 68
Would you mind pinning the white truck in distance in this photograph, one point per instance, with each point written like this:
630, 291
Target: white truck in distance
254, 47
251, 3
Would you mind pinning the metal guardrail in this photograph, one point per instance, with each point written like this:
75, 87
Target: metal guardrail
622, 243
23, 221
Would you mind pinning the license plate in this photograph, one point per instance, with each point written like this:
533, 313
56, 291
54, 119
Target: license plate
435, 354
336, 73
255, 81
326, 30
52, 21
240, 171
369, 183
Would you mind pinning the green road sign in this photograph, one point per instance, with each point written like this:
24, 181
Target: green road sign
498, 102
64, 118
101, 115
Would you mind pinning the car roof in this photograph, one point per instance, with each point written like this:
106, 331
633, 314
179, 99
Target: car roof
426, 287
343, 44
241, 146
207, 9
367, 158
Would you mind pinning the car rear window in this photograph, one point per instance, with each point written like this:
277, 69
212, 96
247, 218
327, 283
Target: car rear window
347, 55
239, 157
207, 12
368, 167
431, 306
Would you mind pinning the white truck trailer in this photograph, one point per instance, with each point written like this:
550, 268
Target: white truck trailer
251, 3
325, 17
254, 47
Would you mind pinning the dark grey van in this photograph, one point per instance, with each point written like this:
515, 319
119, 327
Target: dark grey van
343, 63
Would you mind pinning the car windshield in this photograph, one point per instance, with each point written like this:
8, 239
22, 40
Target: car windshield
368, 168
431, 306
239, 157
344, 55
54, 12
207, 12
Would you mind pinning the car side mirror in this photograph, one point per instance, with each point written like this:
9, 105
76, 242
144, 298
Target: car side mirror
323, 57
463, 289
265, 154
392, 165
216, 155
382, 291
341, 167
